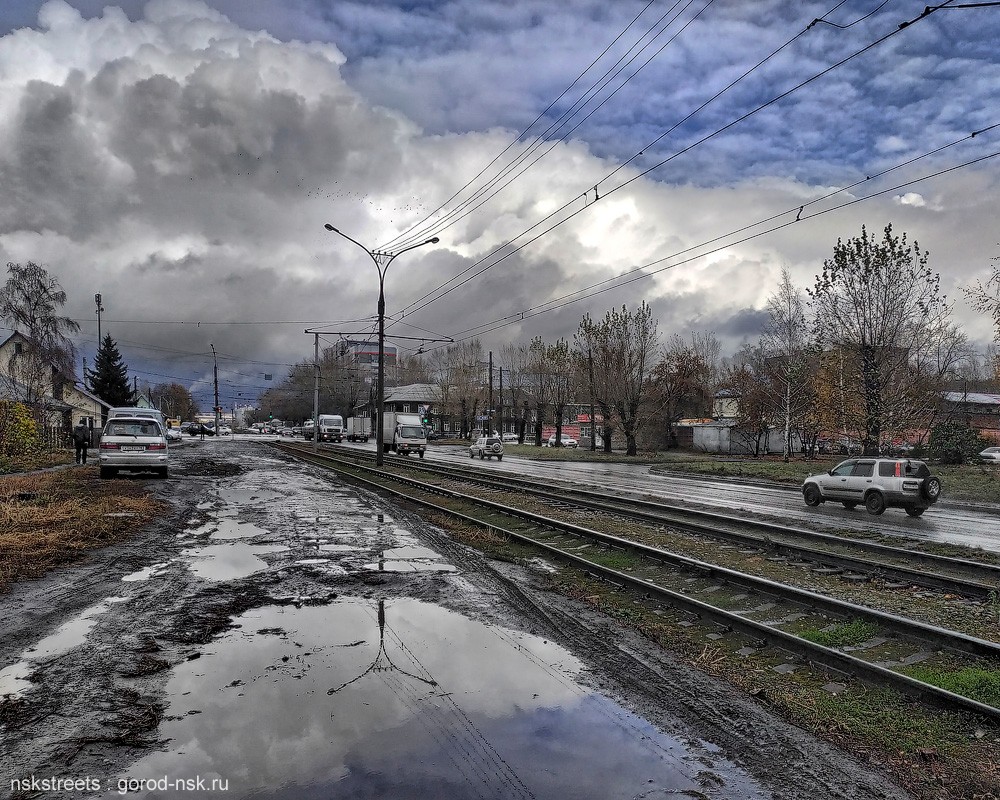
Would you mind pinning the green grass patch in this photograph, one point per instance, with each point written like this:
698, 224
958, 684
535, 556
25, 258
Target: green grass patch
976, 683
844, 635
883, 718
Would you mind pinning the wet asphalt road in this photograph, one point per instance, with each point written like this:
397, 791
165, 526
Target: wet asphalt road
946, 522
284, 635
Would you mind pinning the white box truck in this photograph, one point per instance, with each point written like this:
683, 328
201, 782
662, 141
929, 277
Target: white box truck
358, 429
403, 433
329, 427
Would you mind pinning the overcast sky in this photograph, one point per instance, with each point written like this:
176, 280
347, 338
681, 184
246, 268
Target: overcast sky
182, 156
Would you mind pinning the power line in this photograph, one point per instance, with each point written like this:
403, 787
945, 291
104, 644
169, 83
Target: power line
517, 138
440, 292
585, 293
610, 75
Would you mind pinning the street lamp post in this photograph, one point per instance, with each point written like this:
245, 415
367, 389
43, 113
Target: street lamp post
382, 260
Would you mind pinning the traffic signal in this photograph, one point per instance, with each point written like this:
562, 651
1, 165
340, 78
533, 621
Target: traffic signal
270, 416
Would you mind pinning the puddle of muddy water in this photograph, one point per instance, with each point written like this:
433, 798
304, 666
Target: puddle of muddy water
402, 699
410, 558
226, 562
14, 678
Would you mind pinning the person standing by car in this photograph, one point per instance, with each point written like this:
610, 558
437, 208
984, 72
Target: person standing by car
81, 441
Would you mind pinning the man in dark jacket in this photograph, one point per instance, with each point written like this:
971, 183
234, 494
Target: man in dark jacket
81, 440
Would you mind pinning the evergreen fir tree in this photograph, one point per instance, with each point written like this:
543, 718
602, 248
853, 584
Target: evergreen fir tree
109, 378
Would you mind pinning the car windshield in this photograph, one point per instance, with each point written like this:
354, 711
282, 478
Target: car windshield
146, 428
411, 432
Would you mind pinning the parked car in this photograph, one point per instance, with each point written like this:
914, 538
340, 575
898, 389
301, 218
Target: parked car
133, 443
487, 447
510, 437
567, 441
990, 454
173, 435
197, 429
878, 483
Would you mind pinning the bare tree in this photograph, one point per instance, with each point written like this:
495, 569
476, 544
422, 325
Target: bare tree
684, 380
985, 297
624, 344
749, 376
786, 343
459, 371
515, 359
30, 301
878, 304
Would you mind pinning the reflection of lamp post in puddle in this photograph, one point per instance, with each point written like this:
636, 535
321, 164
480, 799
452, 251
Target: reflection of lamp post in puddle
462, 743
382, 662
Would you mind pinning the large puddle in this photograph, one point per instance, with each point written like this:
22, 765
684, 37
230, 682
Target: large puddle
402, 699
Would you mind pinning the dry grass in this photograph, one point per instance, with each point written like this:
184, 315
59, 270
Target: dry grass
52, 519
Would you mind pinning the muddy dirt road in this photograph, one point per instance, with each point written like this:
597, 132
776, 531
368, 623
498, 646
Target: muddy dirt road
283, 635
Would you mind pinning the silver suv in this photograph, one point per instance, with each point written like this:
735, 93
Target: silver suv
487, 447
879, 483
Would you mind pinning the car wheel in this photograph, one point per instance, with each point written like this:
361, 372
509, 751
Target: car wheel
164, 472
499, 458
108, 472
850, 505
915, 512
421, 453
812, 495
932, 488
471, 454
482, 455
875, 503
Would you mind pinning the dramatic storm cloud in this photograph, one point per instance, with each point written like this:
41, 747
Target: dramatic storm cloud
182, 156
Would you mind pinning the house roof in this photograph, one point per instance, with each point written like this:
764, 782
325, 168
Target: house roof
976, 398
90, 395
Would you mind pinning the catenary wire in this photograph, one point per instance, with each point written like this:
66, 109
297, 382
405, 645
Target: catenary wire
455, 214
439, 293
517, 138
587, 293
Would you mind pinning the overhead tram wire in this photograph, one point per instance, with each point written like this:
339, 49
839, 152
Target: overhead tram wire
670, 130
440, 292
568, 115
517, 138
585, 293
868, 178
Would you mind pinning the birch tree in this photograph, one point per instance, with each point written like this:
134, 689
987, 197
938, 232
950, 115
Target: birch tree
786, 344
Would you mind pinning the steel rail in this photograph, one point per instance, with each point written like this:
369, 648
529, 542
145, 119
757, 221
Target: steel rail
705, 523
837, 660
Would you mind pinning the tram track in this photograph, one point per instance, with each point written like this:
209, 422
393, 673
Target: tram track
857, 558
762, 611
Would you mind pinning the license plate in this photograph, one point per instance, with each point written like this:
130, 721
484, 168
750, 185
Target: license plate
132, 448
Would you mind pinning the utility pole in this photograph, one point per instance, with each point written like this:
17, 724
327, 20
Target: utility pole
215, 372
593, 422
100, 308
315, 438
489, 413
500, 395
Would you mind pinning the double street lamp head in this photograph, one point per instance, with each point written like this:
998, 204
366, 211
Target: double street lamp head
330, 228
